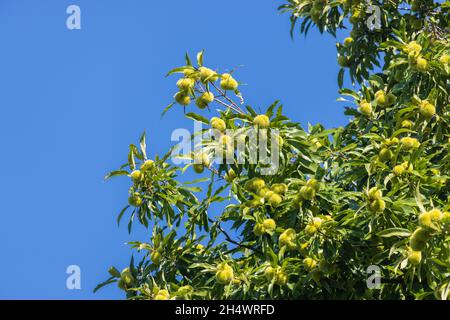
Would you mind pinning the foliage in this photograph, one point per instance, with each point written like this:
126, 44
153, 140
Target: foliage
375, 192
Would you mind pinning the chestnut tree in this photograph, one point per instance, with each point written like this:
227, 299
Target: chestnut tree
373, 194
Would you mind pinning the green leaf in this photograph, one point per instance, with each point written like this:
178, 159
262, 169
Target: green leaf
252, 112
197, 181
200, 58
192, 189
269, 111
167, 109
341, 78
179, 70
348, 92
376, 81
130, 222
143, 145
101, 285
131, 162
188, 59
119, 217
114, 272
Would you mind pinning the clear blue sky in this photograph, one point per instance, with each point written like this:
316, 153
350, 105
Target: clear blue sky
72, 101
